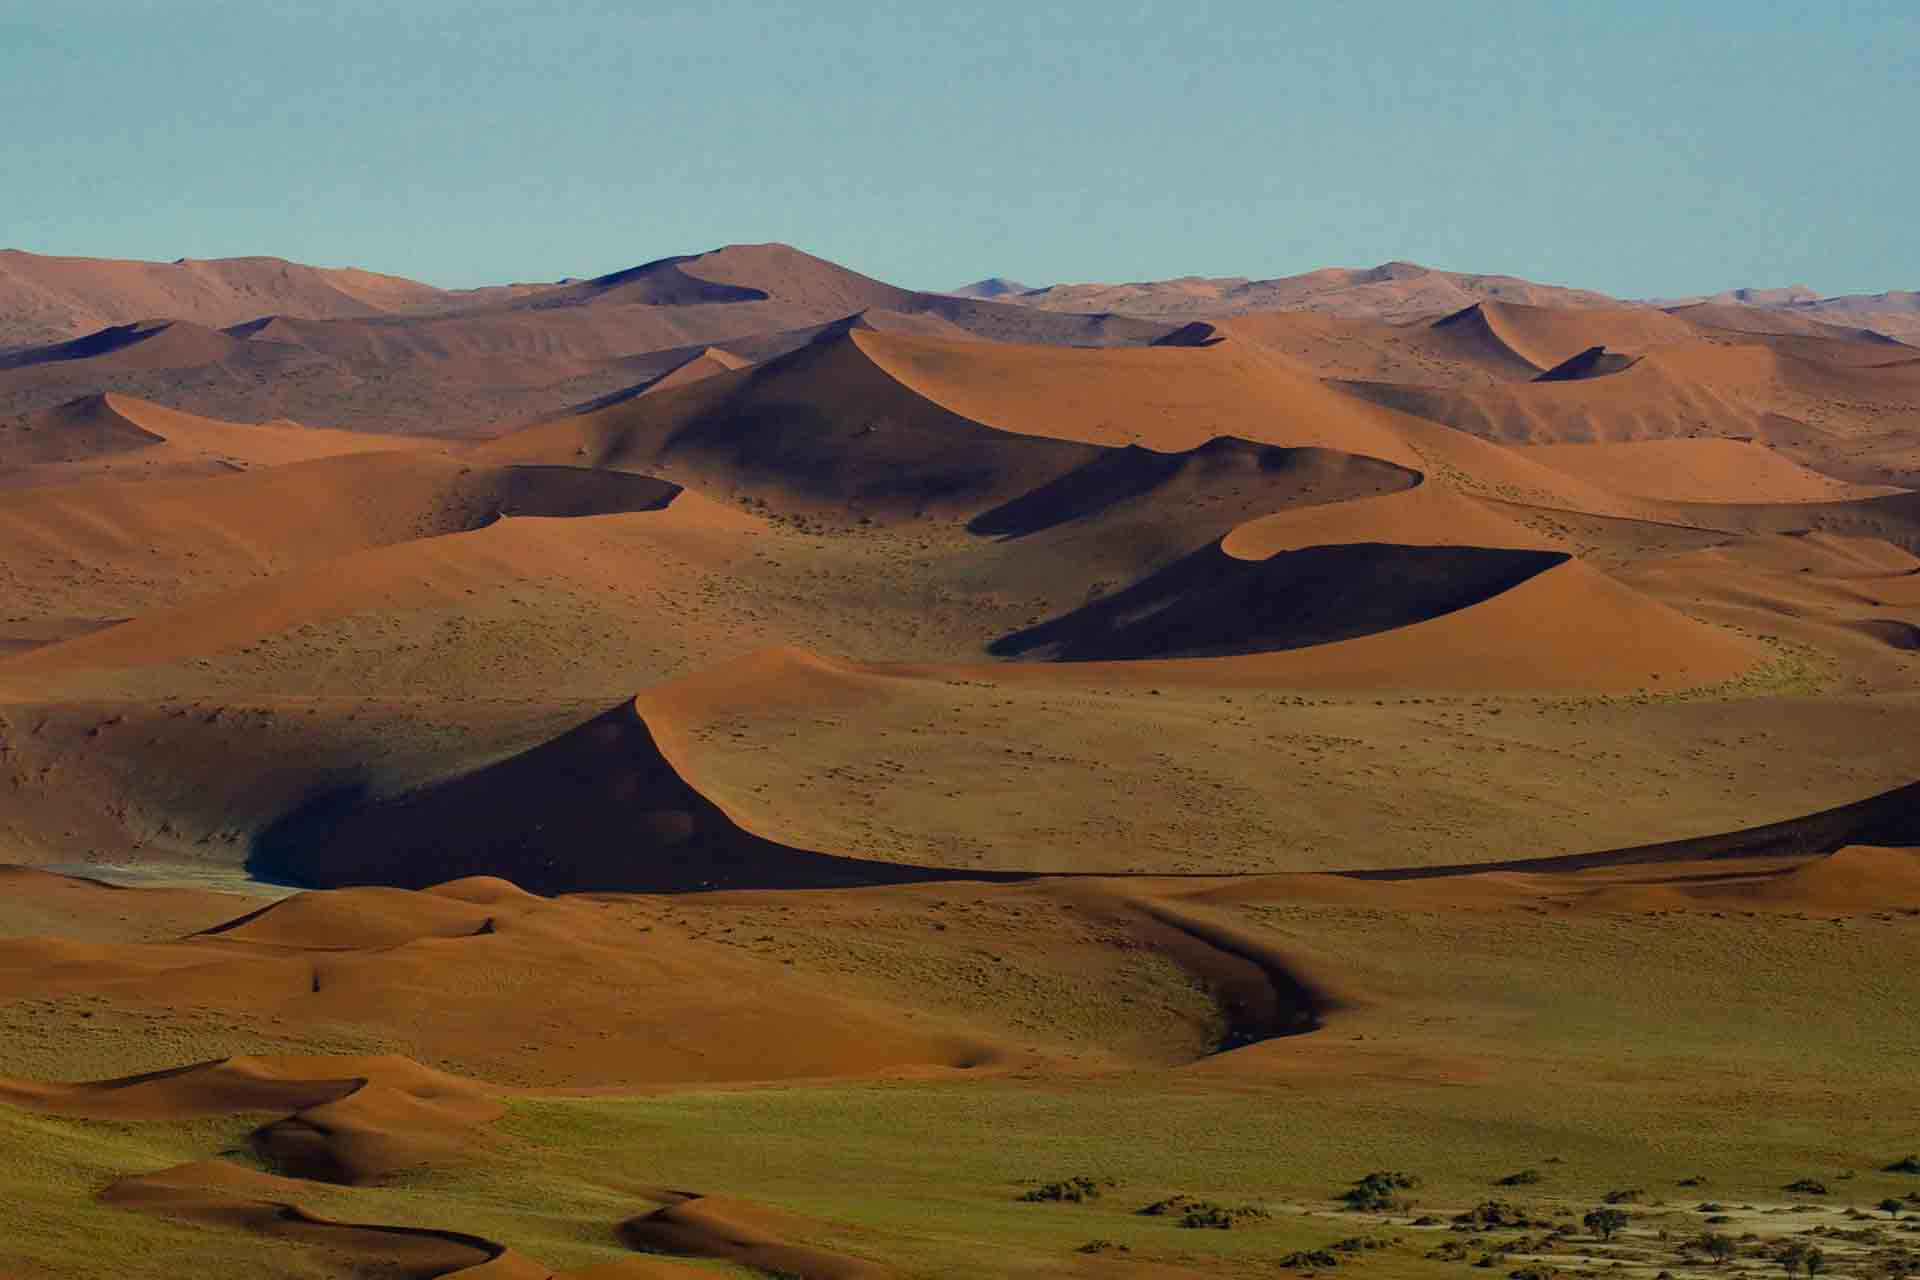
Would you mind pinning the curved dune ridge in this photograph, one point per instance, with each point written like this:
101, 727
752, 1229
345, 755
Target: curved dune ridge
614, 813
203, 546
1215, 603
1543, 338
96, 427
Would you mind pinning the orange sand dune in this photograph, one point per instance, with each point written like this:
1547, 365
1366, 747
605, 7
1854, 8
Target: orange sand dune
709, 361
1567, 629
1698, 470
39, 902
438, 567
1545, 337
630, 995
105, 550
1432, 515
127, 438
1165, 398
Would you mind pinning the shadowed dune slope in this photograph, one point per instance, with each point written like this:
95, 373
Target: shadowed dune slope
1568, 629
822, 428
599, 808
1891, 818
1213, 603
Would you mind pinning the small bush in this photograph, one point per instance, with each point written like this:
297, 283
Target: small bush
1218, 1217
1807, 1187
1379, 1191
1632, 1195
1694, 1181
1905, 1164
1310, 1260
1524, 1178
1068, 1191
1102, 1246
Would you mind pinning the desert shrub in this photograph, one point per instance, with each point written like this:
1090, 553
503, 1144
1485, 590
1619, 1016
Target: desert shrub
1905, 1164
1068, 1190
1310, 1260
1632, 1195
1102, 1246
1363, 1244
1208, 1216
1524, 1178
1693, 1181
1807, 1187
1379, 1191
1204, 1214
1449, 1251
1494, 1214
1605, 1223
1891, 1207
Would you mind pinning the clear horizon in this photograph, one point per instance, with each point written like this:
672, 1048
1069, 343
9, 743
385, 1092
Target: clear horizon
1631, 150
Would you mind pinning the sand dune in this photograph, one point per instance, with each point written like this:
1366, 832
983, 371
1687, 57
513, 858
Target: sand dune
1699, 470
613, 814
121, 437
50, 298
1546, 337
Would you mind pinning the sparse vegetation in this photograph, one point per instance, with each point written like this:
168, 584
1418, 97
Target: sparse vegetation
1905, 1164
1380, 1191
1524, 1178
1204, 1214
1075, 1190
1495, 1215
1807, 1187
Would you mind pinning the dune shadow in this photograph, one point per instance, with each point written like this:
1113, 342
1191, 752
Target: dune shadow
1211, 604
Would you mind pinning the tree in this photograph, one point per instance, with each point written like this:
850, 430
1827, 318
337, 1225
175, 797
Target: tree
1718, 1247
1605, 1223
1800, 1256
1891, 1206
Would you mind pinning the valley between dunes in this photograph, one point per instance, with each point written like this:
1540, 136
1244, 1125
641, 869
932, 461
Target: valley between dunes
807, 765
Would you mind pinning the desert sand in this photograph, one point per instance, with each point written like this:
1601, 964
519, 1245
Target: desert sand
736, 767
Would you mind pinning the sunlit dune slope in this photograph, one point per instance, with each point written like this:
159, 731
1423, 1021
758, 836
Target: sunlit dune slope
128, 438
1698, 470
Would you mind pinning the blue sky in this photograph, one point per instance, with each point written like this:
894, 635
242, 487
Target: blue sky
1636, 147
